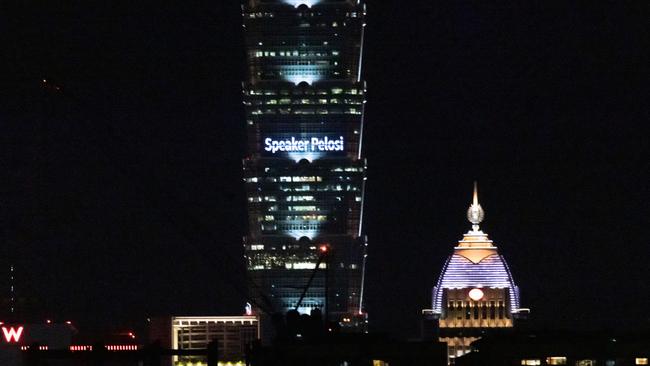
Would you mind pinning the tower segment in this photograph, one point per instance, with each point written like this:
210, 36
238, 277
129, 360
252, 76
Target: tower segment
304, 169
475, 292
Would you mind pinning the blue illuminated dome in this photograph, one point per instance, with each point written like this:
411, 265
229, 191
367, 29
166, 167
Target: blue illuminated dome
460, 272
475, 263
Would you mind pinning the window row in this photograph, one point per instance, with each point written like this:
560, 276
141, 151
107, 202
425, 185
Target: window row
305, 111
352, 91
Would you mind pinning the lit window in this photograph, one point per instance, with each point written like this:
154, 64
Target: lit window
585, 362
641, 361
304, 265
304, 179
301, 208
532, 362
556, 360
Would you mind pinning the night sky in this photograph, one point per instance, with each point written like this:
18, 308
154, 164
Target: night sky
121, 193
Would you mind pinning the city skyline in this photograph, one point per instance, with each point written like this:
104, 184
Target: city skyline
123, 185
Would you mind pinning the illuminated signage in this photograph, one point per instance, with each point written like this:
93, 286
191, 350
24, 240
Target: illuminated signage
12, 335
313, 144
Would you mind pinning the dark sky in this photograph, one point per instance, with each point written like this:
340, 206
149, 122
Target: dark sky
121, 193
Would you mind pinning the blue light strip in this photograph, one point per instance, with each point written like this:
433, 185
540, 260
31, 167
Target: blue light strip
459, 273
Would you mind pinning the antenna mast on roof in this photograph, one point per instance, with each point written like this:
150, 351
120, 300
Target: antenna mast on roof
12, 290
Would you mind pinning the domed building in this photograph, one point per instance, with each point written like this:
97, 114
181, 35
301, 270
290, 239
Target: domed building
475, 291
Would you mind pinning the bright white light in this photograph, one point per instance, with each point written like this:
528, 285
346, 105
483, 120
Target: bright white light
297, 3
476, 294
297, 79
310, 156
297, 234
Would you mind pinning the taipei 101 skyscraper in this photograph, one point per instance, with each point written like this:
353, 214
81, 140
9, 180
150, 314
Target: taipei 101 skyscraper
304, 169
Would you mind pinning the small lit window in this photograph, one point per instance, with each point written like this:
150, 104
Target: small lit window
556, 360
532, 362
585, 362
641, 361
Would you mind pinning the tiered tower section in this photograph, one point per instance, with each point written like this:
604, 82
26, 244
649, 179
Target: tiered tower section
475, 291
304, 171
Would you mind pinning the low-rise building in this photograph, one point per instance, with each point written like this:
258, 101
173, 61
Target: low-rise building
232, 333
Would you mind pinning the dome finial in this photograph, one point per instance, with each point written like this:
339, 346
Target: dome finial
475, 213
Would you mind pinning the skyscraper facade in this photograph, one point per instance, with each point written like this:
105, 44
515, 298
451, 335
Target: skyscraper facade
475, 292
304, 170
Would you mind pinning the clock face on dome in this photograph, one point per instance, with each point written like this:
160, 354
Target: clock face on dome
476, 294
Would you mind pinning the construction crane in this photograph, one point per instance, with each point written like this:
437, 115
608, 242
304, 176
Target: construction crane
324, 252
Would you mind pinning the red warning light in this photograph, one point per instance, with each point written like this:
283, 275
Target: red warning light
324, 248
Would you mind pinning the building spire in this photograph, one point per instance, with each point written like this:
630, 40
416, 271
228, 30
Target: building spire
475, 213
